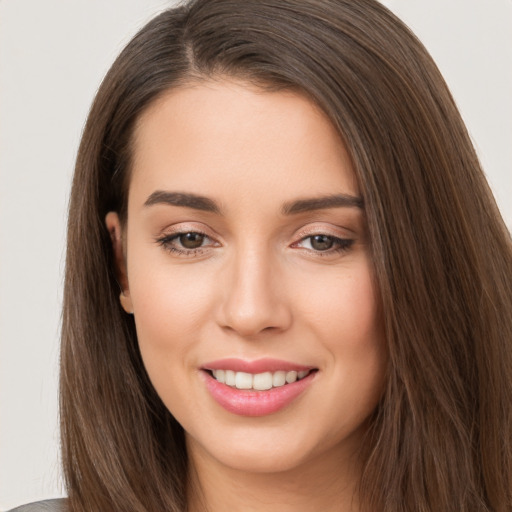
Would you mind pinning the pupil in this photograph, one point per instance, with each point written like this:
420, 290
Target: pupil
321, 242
191, 240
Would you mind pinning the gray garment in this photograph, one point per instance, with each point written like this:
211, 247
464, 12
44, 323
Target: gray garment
58, 505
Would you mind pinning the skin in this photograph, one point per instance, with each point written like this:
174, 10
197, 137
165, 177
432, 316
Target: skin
258, 286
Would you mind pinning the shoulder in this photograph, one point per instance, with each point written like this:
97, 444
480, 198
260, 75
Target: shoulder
58, 505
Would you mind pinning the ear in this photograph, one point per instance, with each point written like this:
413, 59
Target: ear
114, 228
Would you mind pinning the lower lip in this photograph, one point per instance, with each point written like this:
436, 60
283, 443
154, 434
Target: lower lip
256, 403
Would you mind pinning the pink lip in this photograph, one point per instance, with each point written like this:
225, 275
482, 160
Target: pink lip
255, 403
257, 366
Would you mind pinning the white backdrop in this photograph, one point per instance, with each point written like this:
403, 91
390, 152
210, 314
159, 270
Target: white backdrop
53, 55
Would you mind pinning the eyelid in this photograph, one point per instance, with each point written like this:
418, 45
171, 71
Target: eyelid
186, 227
323, 229
167, 239
342, 243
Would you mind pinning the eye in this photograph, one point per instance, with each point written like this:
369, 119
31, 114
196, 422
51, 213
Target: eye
322, 243
191, 240
187, 243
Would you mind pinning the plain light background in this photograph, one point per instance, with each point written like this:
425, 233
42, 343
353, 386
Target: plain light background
53, 55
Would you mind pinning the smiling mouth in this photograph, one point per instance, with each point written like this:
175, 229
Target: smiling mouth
259, 381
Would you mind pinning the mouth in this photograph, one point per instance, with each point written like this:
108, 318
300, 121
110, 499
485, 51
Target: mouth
256, 388
258, 381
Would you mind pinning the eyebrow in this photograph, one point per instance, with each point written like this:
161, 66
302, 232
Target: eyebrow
206, 204
183, 199
322, 203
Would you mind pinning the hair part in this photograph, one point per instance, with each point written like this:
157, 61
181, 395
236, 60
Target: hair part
441, 437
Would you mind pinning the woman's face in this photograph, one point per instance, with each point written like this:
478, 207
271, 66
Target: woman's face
247, 254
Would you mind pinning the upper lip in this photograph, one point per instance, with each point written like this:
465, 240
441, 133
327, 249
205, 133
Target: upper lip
256, 366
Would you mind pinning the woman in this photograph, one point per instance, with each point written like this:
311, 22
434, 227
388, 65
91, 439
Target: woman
287, 284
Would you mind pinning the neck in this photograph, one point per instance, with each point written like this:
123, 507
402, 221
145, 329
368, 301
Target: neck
325, 484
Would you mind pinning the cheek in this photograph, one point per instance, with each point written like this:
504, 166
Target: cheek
345, 317
344, 308
170, 310
172, 305
167, 296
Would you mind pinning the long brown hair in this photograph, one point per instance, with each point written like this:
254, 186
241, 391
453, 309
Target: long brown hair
440, 440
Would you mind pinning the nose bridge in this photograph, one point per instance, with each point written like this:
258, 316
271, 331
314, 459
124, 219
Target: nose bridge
253, 302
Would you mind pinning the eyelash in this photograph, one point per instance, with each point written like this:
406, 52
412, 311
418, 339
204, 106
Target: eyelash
342, 244
167, 243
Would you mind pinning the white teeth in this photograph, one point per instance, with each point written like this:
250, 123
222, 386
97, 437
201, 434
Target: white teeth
279, 379
220, 375
259, 381
291, 377
243, 380
230, 377
262, 381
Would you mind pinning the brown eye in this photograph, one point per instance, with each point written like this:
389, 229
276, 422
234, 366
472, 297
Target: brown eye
191, 240
324, 245
321, 242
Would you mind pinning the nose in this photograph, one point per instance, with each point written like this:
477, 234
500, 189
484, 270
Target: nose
254, 296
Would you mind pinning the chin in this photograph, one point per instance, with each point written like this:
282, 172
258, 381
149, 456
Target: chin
271, 448
264, 458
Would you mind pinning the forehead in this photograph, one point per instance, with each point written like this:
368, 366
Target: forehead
203, 137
